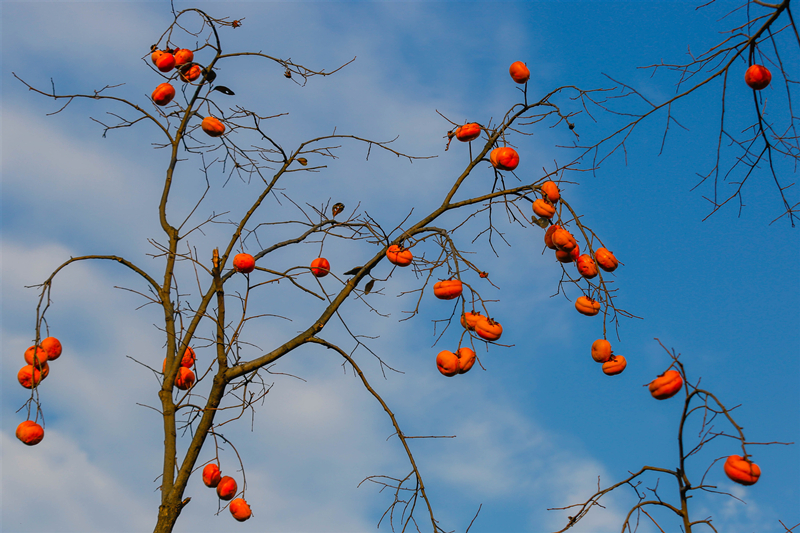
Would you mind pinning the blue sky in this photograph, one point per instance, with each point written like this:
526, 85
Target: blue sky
542, 423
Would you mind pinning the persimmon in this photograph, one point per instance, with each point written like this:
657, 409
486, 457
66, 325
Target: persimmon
189, 357
468, 132
240, 510
36, 354
53, 348
519, 72
666, 385
397, 255
551, 192
757, 77
615, 365
586, 266
563, 240
504, 158
244, 263
30, 433
212, 126
741, 470
164, 61
189, 72
548, 236
183, 56
447, 363
448, 289
163, 94
187, 360
184, 379
211, 475
568, 257
320, 267
587, 306
226, 488
606, 260
601, 350
469, 319
466, 359
488, 329
28, 376
543, 208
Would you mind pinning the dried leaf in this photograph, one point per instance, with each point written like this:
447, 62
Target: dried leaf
541, 222
369, 286
224, 90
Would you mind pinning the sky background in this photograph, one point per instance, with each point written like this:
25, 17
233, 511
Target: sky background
541, 424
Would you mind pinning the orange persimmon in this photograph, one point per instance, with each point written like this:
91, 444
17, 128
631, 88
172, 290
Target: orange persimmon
30, 433
606, 260
519, 72
666, 385
587, 306
741, 470
211, 475
469, 319
53, 348
226, 488
615, 365
563, 240
468, 132
757, 77
550, 191
601, 350
448, 289
163, 94
543, 208
488, 329
466, 359
28, 376
586, 266
36, 354
320, 267
504, 158
548, 236
183, 56
212, 126
244, 263
184, 379
240, 510
397, 255
447, 363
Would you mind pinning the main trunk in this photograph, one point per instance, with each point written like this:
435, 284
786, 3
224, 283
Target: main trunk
167, 515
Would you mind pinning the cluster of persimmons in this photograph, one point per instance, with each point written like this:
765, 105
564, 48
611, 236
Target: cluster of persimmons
29, 376
188, 71
226, 490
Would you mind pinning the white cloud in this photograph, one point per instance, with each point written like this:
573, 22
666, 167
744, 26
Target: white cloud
57, 486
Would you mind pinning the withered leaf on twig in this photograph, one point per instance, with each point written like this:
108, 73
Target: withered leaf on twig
368, 287
541, 222
224, 90
209, 74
